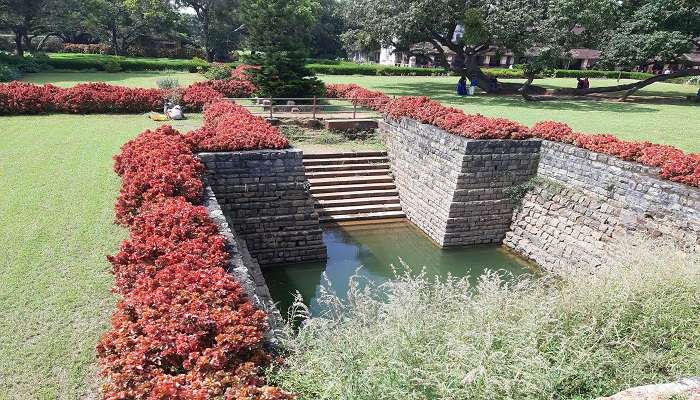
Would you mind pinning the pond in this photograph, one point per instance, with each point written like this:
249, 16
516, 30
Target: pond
375, 248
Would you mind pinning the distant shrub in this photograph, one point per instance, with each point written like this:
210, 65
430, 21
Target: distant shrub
112, 66
218, 71
168, 83
9, 73
586, 334
331, 67
85, 48
82, 62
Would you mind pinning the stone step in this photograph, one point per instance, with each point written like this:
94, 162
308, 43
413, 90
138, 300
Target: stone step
345, 167
356, 194
345, 160
345, 154
350, 180
345, 124
362, 217
352, 188
359, 201
355, 172
371, 208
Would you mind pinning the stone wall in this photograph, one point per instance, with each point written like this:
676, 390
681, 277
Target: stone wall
578, 205
584, 204
244, 268
453, 187
265, 196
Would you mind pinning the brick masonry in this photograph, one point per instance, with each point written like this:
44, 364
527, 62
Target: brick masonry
264, 194
453, 187
586, 203
580, 207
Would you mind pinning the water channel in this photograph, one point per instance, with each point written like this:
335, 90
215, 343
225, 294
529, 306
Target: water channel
375, 248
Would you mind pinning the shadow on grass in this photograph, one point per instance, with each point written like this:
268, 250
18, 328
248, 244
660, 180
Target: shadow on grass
58, 77
444, 92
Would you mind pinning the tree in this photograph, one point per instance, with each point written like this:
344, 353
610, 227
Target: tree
22, 17
326, 31
645, 32
219, 24
69, 20
278, 36
486, 23
123, 22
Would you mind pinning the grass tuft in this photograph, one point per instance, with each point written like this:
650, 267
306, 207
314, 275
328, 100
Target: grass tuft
582, 335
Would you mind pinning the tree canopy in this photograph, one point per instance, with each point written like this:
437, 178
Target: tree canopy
278, 37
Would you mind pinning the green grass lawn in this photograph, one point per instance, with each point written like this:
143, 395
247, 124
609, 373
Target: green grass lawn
673, 122
57, 190
144, 79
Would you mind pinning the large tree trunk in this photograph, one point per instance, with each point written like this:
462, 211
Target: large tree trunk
629, 88
525, 89
19, 43
491, 85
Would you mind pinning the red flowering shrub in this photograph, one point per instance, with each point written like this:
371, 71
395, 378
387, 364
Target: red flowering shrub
231, 127
167, 233
228, 87
241, 72
26, 98
155, 165
196, 97
683, 169
674, 164
554, 131
657, 154
373, 100
212, 112
87, 98
193, 330
407, 106
184, 328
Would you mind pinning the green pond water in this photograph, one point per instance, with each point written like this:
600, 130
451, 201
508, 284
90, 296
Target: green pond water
374, 249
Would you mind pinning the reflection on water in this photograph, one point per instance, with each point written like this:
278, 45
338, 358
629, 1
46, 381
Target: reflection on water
375, 248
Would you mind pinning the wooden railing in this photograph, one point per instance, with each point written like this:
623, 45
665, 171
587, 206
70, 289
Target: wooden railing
315, 106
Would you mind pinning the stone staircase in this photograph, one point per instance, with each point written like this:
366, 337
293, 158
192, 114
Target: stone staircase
351, 187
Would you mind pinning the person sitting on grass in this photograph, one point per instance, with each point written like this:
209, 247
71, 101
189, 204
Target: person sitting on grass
462, 87
582, 83
473, 83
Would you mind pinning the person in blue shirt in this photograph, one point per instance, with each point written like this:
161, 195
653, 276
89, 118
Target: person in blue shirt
473, 84
462, 87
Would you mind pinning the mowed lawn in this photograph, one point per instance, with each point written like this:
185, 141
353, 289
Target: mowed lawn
130, 79
667, 121
57, 190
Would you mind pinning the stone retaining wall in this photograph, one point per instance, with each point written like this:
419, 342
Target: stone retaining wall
453, 187
265, 196
585, 203
244, 268
578, 205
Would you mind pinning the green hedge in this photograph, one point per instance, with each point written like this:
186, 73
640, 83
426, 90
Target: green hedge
349, 68
590, 73
322, 67
331, 67
98, 61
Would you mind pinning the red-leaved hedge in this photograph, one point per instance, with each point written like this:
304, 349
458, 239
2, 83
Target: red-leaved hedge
183, 327
228, 127
91, 98
674, 164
